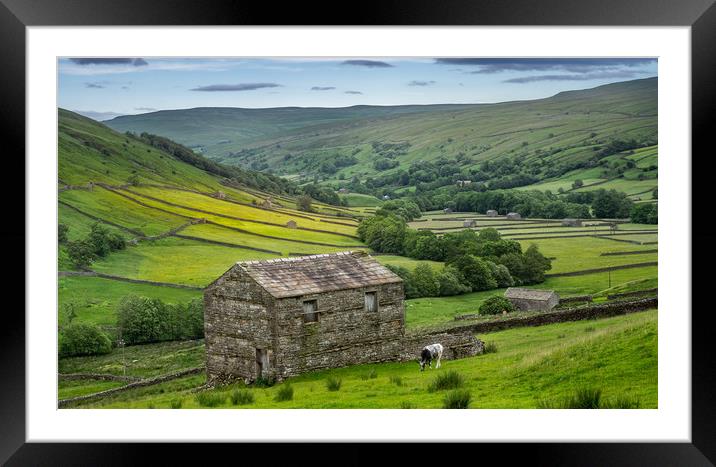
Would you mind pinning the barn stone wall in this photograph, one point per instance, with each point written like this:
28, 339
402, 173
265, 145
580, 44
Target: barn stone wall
345, 334
237, 320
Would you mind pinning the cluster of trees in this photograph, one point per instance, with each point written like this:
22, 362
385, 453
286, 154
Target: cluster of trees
142, 320
79, 339
324, 194
474, 261
99, 243
528, 203
605, 203
405, 209
645, 213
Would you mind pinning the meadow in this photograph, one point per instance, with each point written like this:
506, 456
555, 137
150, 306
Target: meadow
531, 367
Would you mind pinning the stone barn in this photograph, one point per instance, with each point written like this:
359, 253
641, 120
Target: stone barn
447, 211
532, 299
291, 224
469, 223
514, 216
491, 213
571, 222
282, 317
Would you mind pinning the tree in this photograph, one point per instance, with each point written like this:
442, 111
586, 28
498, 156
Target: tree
139, 319
501, 274
81, 253
62, 230
134, 179
645, 213
535, 265
476, 272
304, 203
577, 184
496, 305
425, 281
611, 204
451, 282
83, 339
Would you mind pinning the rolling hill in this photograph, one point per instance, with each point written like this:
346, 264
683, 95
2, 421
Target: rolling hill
548, 137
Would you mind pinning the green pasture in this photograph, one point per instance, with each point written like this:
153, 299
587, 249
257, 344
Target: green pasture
432, 311
616, 355
175, 260
95, 299
360, 200
115, 208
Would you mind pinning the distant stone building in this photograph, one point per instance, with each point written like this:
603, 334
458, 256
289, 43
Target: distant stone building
220, 195
267, 203
463, 182
491, 213
282, 317
447, 211
571, 222
513, 216
343, 190
532, 299
386, 197
469, 223
291, 224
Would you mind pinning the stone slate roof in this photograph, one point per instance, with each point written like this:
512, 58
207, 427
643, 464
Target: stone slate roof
529, 294
291, 277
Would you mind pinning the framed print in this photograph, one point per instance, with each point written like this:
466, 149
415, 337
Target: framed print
233, 212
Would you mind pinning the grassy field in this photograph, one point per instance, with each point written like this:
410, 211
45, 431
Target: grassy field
432, 311
95, 299
360, 200
531, 365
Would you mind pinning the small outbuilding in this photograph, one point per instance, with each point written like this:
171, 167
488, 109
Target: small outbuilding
469, 223
571, 222
267, 203
447, 211
532, 299
514, 216
491, 213
291, 224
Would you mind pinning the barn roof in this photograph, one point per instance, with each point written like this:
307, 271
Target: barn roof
291, 277
529, 294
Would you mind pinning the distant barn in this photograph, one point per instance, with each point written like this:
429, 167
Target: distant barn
291, 224
447, 211
571, 222
532, 299
491, 213
469, 223
514, 216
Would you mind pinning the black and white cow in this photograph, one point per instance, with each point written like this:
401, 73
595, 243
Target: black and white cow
429, 353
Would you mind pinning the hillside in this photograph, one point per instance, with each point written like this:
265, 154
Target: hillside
547, 138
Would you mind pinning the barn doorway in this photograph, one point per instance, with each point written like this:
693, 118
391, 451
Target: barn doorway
262, 362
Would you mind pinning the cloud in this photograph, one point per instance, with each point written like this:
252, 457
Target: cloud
353, 92
322, 88
574, 77
367, 63
421, 83
109, 61
99, 116
574, 65
94, 85
235, 87
146, 109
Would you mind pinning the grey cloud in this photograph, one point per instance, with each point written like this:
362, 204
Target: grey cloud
574, 65
94, 85
322, 88
235, 87
367, 63
353, 92
421, 83
573, 77
109, 61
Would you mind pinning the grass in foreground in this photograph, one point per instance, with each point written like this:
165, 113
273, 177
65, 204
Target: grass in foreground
552, 362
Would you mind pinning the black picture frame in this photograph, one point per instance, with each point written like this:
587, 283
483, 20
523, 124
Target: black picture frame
700, 15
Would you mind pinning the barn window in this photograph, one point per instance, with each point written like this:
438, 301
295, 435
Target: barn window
371, 301
310, 311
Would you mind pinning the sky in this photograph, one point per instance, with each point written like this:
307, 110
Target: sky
102, 88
